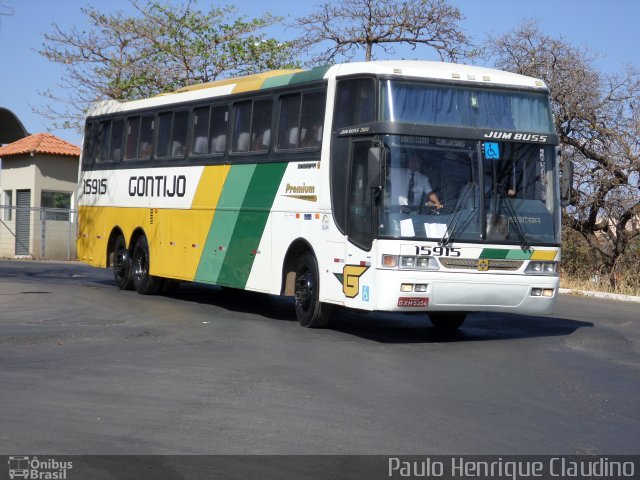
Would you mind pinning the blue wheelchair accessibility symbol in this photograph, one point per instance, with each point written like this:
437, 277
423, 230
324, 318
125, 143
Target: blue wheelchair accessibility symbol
365, 293
491, 150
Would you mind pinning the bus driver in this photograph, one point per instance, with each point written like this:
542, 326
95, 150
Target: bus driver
410, 188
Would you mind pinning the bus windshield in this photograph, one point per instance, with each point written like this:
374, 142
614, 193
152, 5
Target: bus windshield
429, 104
468, 190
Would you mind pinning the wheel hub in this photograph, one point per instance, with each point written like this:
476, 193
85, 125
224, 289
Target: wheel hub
304, 290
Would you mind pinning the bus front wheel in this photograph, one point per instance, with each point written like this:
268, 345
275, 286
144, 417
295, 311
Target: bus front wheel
310, 311
121, 263
446, 322
144, 283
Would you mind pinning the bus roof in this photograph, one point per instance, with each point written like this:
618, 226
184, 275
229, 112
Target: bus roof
455, 72
404, 68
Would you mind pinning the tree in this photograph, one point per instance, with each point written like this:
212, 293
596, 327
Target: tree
597, 117
342, 28
5, 9
159, 49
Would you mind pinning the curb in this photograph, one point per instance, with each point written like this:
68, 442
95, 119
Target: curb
608, 296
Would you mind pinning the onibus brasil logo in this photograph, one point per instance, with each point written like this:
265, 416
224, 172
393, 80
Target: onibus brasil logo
37, 469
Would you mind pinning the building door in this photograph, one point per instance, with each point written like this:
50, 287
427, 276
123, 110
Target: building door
23, 221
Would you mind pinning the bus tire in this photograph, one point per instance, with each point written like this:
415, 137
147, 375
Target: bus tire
310, 312
447, 321
121, 264
144, 283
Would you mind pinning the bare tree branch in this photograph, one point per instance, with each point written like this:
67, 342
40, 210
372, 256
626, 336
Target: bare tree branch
341, 29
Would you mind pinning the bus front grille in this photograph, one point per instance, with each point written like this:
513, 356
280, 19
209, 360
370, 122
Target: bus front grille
472, 264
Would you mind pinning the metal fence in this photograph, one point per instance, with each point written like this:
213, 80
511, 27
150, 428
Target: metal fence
42, 233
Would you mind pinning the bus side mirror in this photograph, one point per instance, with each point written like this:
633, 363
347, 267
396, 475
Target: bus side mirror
374, 166
566, 183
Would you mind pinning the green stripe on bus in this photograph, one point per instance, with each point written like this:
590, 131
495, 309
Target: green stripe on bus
519, 254
495, 253
224, 221
278, 81
312, 75
506, 254
251, 224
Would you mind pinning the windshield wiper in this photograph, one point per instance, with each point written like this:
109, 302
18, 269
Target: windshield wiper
506, 201
457, 214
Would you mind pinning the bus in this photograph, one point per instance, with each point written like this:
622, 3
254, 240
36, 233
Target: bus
394, 186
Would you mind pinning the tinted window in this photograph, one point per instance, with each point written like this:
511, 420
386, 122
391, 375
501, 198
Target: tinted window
355, 102
261, 125
311, 119
219, 120
90, 137
242, 127
102, 141
133, 132
200, 131
117, 137
164, 134
145, 150
252, 126
289, 122
179, 134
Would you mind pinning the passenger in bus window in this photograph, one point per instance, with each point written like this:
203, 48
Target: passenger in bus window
312, 137
410, 188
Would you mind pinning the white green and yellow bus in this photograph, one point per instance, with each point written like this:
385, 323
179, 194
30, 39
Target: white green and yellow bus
294, 182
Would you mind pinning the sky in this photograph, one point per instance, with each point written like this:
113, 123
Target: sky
609, 28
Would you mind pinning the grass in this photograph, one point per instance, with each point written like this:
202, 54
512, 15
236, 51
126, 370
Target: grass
601, 286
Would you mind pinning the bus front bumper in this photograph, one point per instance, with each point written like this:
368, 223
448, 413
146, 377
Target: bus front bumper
415, 291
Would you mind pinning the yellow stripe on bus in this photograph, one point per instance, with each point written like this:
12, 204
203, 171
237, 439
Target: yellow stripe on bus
544, 255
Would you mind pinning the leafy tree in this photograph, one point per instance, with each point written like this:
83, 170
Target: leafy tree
159, 49
5, 9
342, 28
598, 120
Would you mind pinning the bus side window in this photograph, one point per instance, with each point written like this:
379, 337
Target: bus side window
164, 134
200, 131
311, 119
289, 121
102, 141
117, 138
242, 126
179, 134
89, 150
145, 147
261, 125
219, 121
133, 134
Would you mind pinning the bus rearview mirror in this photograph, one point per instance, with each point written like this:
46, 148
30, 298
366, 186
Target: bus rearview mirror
566, 182
374, 167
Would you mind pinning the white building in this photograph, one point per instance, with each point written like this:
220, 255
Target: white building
39, 170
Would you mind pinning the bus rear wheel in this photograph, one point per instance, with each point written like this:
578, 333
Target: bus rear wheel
144, 283
447, 322
311, 313
121, 264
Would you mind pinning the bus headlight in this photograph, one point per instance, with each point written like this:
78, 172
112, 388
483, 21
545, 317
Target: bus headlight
410, 262
542, 268
418, 263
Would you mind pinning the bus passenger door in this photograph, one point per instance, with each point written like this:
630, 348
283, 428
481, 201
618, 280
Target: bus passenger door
357, 274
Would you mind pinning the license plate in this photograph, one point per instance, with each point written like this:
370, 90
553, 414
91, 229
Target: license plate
413, 302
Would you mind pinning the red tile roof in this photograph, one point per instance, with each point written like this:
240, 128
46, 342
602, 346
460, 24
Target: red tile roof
40, 143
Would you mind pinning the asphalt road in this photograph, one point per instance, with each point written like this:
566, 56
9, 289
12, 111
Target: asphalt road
88, 369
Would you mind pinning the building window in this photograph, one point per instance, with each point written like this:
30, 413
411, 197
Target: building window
57, 205
8, 202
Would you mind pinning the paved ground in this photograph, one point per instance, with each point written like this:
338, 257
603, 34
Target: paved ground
88, 369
